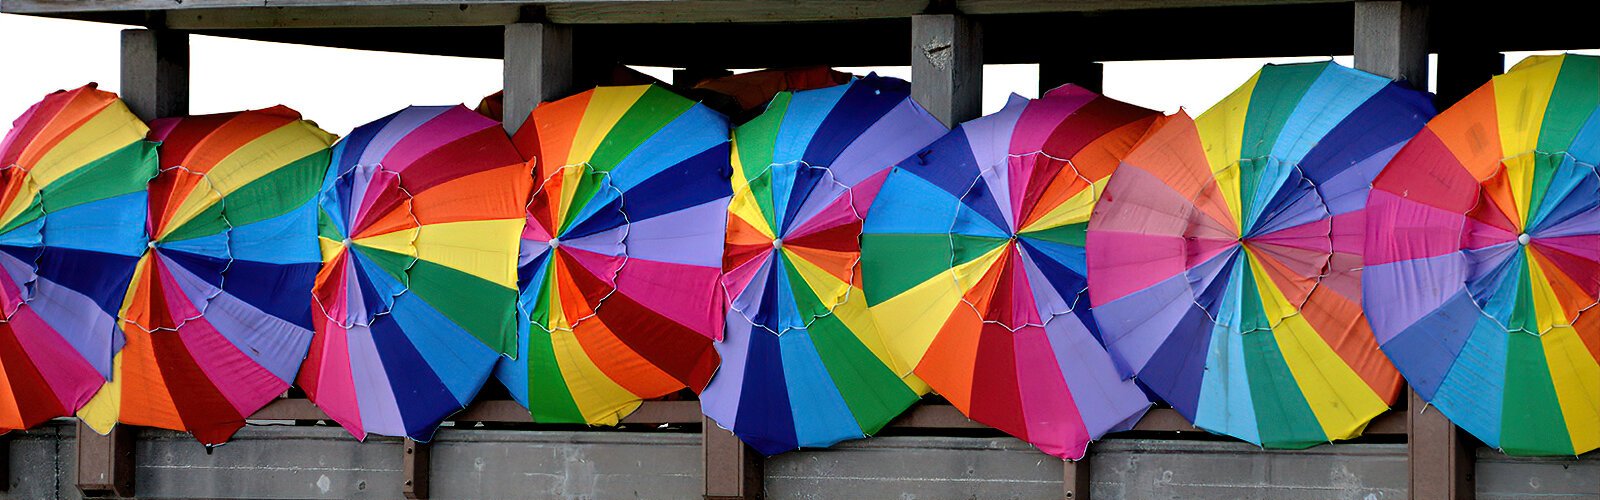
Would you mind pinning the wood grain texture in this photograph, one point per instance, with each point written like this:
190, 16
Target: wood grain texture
656, 11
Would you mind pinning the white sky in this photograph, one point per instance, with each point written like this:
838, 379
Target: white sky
341, 89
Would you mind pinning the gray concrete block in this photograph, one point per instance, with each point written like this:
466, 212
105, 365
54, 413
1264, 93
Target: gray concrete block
43, 462
1157, 469
268, 462
1502, 477
325, 462
917, 468
494, 464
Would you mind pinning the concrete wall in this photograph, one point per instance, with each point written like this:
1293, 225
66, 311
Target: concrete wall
324, 462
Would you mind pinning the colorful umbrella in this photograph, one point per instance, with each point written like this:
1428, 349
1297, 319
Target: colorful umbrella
973, 253
218, 314
748, 92
1483, 259
493, 105
73, 173
1224, 258
419, 218
803, 362
619, 262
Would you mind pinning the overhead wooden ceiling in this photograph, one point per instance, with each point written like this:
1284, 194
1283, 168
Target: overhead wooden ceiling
766, 33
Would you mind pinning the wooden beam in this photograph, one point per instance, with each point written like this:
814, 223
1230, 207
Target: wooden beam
1391, 39
1075, 479
343, 17
105, 463
498, 411
537, 67
934, 416
947, 66
414, 469
733, 471
650, 11
1439, 455
155, 72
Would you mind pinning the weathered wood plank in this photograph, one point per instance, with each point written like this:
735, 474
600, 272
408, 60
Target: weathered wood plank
1440, 456
155, 72
660, 11
1391, 39
733, 471
538, 67
1075, 479
342, 17
496, 410
947, 66
415, 470
105, 463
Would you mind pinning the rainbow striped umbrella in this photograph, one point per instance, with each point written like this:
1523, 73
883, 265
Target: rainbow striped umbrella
73, 172
1225, 256
1483, 259
973, 253
618, 273
419, 218
218, 315
803, 362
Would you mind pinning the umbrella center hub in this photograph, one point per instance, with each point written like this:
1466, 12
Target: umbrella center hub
555, 242
1523, 239
777, 243
150, 244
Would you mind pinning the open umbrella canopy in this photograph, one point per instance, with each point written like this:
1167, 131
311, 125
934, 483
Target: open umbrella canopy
218, 315
803, 362
419, 216
1483, 259
618, 272
973, 254
73, 172
1225, 256
746, 93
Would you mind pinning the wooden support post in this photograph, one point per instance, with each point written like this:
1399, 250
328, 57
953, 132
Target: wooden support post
1057, 71
105, 463
414, 468
1441, 457
155, 72
537, 65
1391, 39
733, 471
947, 66
1075, 479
